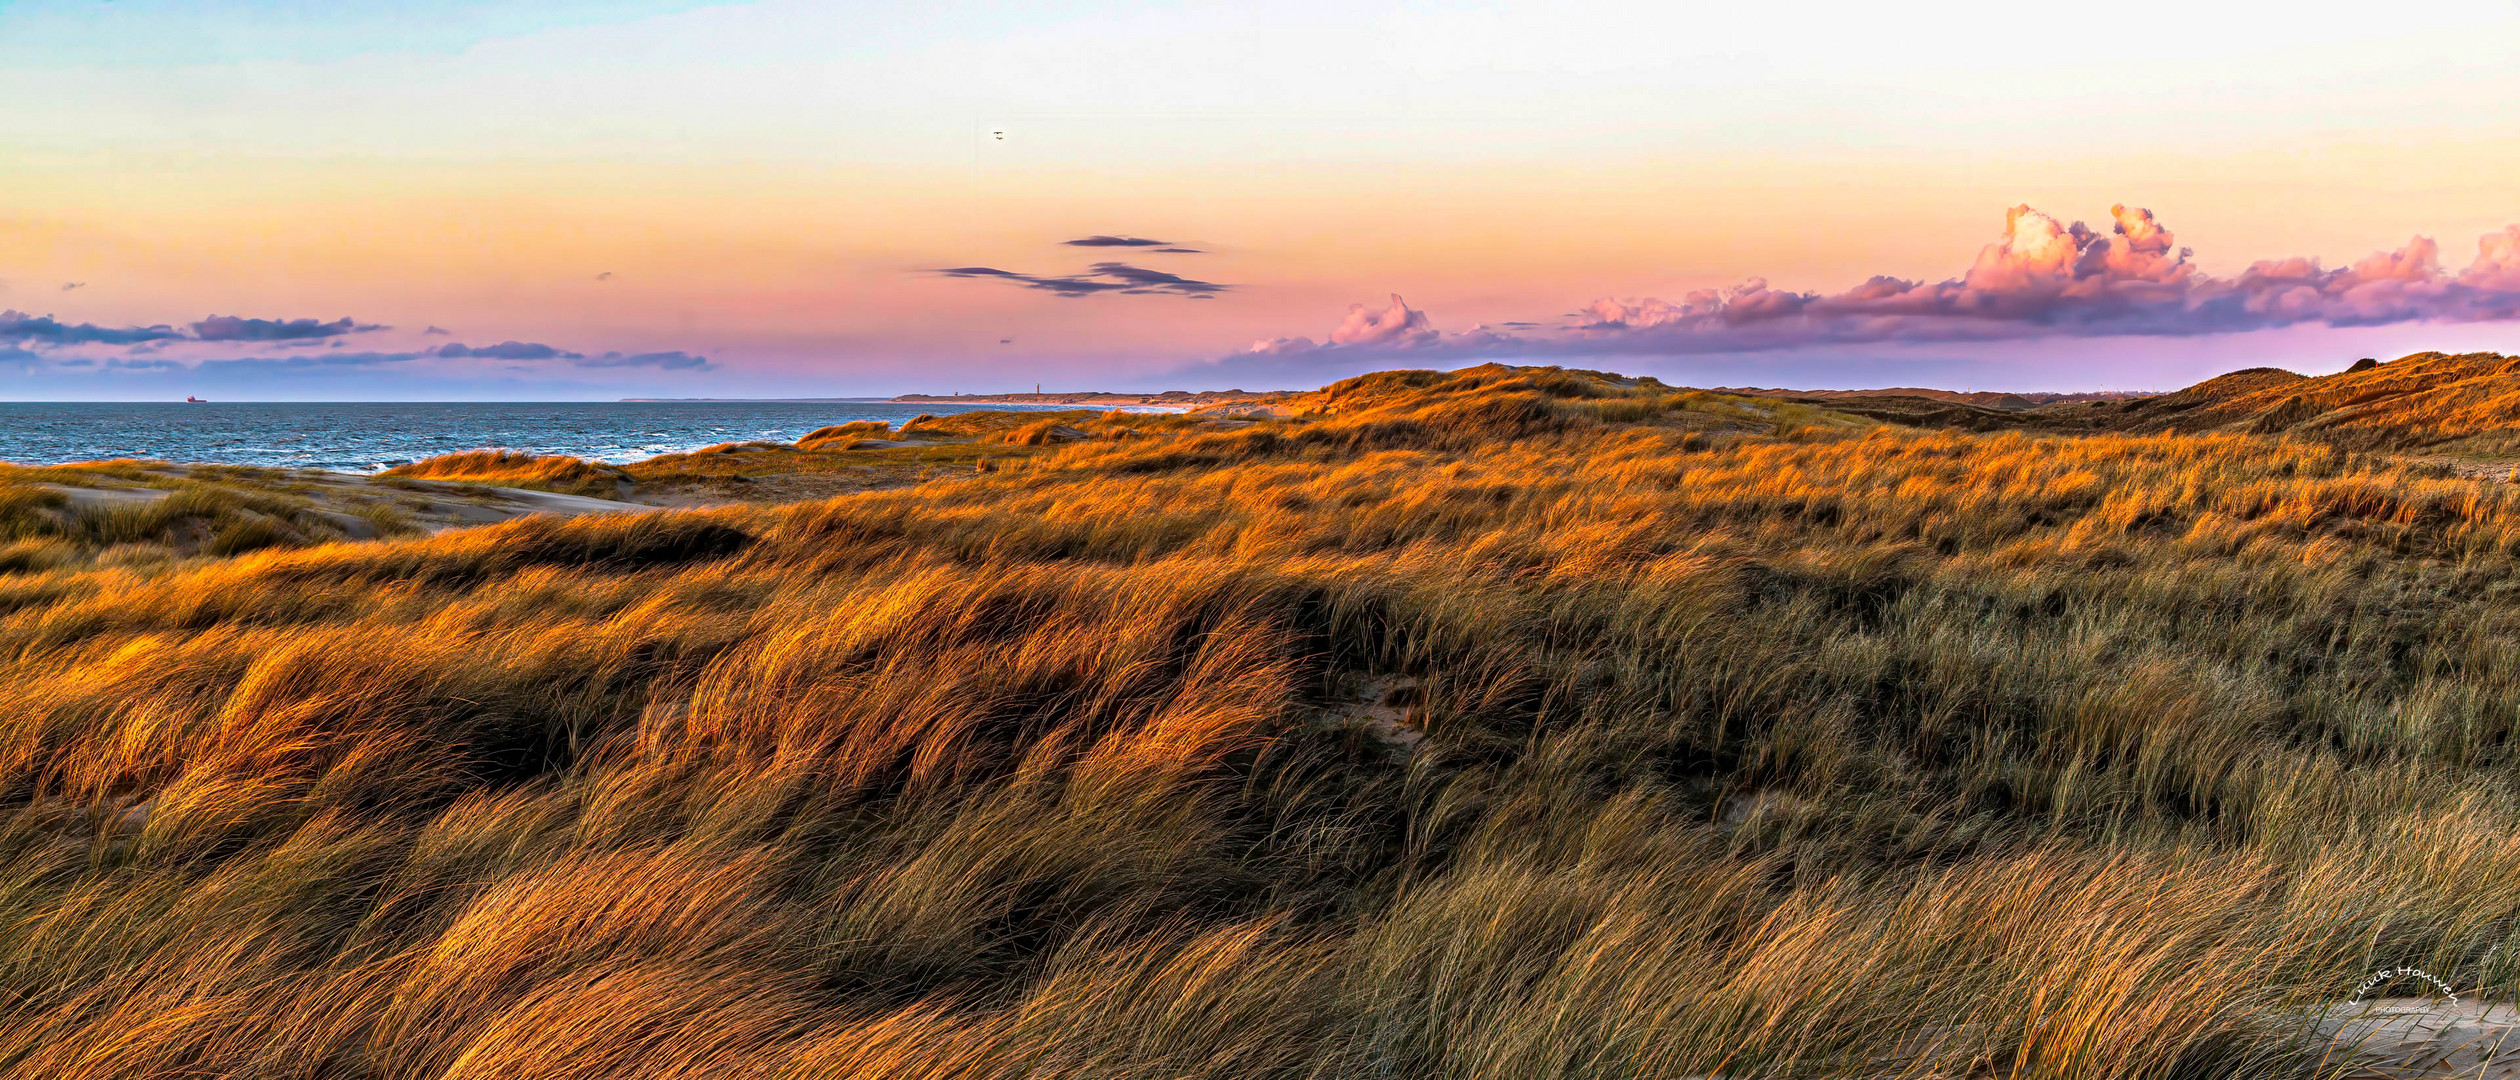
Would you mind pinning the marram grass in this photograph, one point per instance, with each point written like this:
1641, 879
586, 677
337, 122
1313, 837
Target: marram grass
1757, 742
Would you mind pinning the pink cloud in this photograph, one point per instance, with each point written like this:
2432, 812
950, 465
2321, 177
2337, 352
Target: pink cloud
1397, 325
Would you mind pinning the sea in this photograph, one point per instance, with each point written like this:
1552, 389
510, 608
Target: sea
364, 437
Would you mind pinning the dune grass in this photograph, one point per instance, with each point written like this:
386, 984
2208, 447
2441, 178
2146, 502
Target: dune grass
510, 468
1756, 741
2455, 404
869, 454
165, 513
844, 436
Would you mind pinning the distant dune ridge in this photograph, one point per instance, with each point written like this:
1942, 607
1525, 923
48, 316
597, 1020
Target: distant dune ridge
2425, 400
1175, 398
2452, 403
1493, 723
1991, 399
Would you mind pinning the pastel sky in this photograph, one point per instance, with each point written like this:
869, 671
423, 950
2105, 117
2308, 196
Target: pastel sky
348, 199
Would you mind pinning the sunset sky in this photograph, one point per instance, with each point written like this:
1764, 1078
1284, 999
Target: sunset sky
339, 199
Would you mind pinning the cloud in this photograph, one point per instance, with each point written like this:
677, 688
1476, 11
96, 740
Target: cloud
1144, 280
535, 350
2043, 278
273, 364
24, 330
1101, 277
1160, 247
1395, 327
520, 355
663, 361
69, 285
505, 350
605, 276
1398, 325
436, 331
1064, 286
232, 328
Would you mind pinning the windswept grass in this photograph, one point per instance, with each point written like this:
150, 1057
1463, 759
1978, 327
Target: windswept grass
1756, 741
510, 468
54, 517
843, 436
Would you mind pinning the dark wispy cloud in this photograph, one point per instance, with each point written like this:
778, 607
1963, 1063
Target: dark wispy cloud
317, 362
663, 361
44, 331
1102, 277
70, 285
233, 328
33, 341
1143, 280
535, 350
436, 331
2044, 278
1158, 247
506, 350
24, 330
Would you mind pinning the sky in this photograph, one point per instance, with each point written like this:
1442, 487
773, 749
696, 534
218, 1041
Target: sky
574, 199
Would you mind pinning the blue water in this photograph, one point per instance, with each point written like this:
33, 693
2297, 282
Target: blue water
367, 436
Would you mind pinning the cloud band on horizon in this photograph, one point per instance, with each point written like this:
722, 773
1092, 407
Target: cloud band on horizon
27, 340
25, 330
2043, 278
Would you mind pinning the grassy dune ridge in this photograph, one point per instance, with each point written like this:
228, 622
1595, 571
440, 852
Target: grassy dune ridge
512, 468
1756, 740
212, 509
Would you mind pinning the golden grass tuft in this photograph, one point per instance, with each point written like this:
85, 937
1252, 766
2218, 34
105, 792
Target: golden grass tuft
842, 436
1041, 433
511, 468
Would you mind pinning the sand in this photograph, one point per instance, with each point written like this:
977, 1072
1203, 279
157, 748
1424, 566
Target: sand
2398, 1038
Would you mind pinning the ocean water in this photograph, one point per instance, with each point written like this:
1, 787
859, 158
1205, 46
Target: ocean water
367, 436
